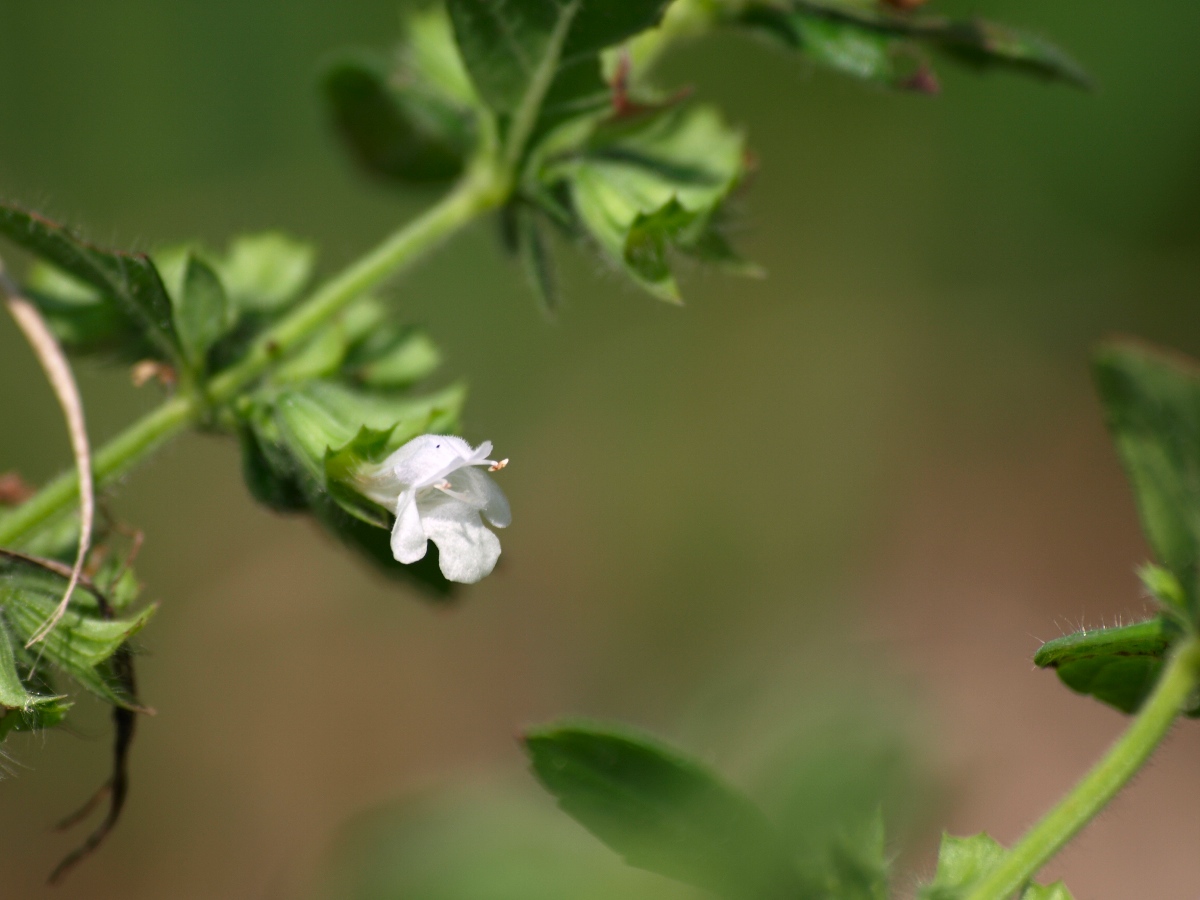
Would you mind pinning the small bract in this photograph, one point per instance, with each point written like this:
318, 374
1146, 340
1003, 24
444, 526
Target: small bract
436, 486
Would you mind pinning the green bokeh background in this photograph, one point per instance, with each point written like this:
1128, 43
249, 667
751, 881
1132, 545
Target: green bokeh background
881, 465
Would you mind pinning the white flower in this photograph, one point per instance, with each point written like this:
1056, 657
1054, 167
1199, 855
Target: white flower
437, 490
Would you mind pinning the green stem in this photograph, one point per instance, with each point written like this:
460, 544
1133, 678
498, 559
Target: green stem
1178, 682
480, 191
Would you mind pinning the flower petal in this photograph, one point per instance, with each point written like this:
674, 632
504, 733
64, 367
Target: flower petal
485, 495
426, 459
467, 551
408, 535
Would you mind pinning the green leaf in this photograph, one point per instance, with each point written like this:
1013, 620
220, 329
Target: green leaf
129, 280
870, 42
13, 693
203, 312
82, 644
964, 861
1152, 403
323, 414
264, 272
539, 60
1117, 666
663, 812
656, 188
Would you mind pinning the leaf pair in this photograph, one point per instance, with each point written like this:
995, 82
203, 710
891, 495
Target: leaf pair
666, 813
872, 43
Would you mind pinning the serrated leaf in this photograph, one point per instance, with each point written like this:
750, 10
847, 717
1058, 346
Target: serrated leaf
264, 272
323, 414
203, 311
1152, 404
13, 693
962, 862
129, 280
81, 644
656, 188
870, 42
1117, 666
663, 812
541, 58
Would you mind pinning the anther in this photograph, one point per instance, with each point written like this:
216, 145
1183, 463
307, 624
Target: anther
496, 467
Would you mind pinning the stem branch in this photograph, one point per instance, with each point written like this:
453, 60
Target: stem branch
480, 191
1124, 759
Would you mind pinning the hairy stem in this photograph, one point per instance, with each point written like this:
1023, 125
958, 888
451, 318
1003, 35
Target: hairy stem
480, 191
1125, 758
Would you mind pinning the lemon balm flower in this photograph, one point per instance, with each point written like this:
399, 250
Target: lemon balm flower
439, 492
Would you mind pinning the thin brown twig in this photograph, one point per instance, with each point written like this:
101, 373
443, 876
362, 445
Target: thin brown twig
58, 372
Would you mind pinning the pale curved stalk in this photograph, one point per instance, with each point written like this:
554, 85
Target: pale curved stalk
62, 380
1176, 686
481, 190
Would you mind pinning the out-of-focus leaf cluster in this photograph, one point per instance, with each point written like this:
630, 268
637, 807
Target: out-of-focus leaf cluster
562, 93
879, 42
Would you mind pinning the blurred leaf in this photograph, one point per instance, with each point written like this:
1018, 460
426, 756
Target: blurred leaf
412, 121
964, 861
1164, 587
264, 272
655, 188
1152, 402
391, 134
481, 845
391, 357
129, 280
203, 312
870, 42
1117, 666
857, 866
663, 812
521, 51
533, 248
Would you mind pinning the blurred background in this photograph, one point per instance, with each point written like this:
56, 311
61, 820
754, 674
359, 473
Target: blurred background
836, 508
